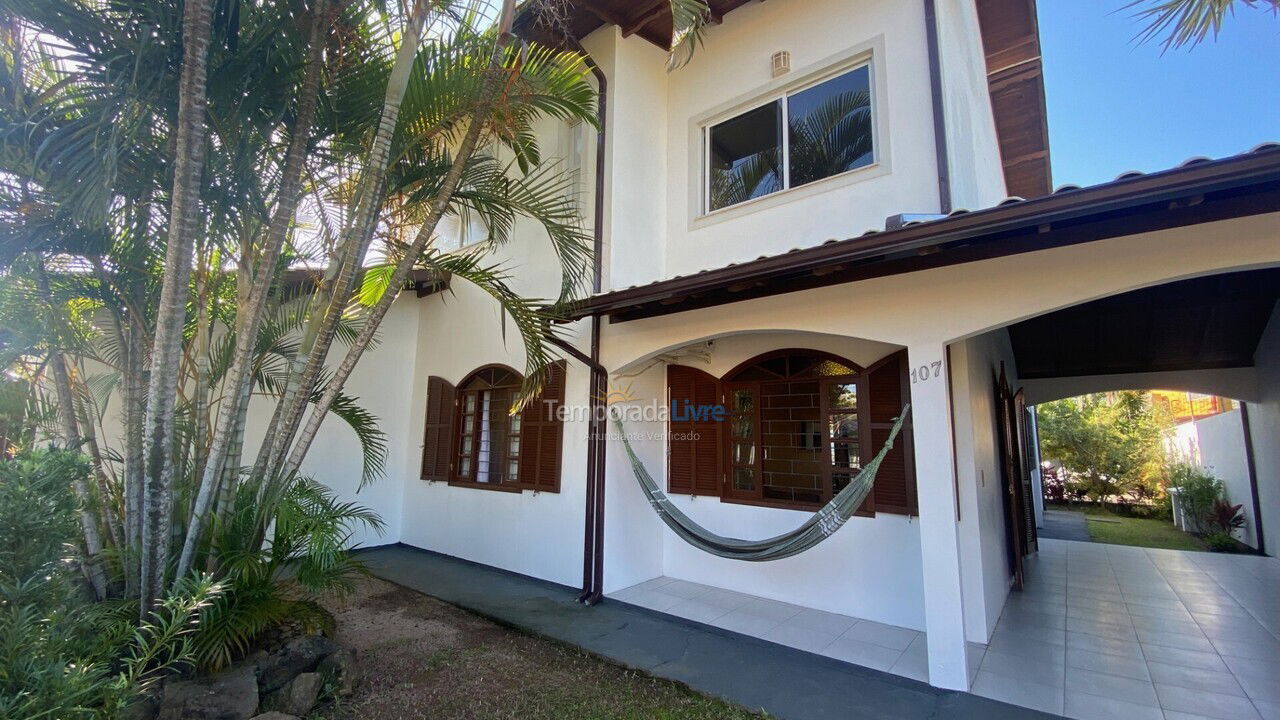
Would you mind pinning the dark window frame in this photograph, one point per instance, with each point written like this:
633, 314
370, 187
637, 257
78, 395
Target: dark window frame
781, 98
731, 381
456, 478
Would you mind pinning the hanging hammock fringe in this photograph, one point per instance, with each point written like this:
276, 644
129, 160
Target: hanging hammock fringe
816, 529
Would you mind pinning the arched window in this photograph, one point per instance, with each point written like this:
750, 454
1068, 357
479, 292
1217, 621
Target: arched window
794, 426
798, 425
471, 438
488, 447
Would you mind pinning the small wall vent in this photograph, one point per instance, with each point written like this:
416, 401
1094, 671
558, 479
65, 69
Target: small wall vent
781, 63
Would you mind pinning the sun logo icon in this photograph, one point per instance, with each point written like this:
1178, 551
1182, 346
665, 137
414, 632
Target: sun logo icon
617, 394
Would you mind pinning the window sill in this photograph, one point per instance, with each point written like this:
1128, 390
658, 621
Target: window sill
782, 197
492, 487
774, 504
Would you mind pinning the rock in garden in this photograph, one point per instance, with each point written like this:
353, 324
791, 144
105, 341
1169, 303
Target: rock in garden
231, 695
144, 708
299, 655
296, 698
339, 670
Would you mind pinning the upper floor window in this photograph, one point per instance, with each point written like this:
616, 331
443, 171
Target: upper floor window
807, 134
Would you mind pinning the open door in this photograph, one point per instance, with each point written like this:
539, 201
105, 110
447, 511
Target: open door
1026, 456
1015, 479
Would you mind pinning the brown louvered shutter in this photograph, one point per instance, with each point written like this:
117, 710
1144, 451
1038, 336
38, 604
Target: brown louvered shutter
694, 451
437, 439
888, 386
542, 435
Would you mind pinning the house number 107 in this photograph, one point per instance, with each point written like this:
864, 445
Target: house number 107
926, 372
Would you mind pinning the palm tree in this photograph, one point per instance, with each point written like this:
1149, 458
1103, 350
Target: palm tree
350, 111
188, 164
1190, 22
172, 163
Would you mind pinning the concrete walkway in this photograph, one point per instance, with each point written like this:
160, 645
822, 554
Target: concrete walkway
785, 682
1064, 525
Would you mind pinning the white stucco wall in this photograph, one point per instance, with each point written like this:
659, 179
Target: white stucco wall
1220, 440
973, 150
840, 575
925, 311
1264, 423
975, 365
654, 176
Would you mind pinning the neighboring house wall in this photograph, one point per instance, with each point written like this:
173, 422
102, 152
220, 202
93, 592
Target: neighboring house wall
1220, 440
975, 365
1264, 422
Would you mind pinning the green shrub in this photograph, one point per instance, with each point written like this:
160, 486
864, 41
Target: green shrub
61, 654
1220, 541
272, 584
1198, 491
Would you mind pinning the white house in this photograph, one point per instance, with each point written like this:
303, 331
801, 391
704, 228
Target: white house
813, 290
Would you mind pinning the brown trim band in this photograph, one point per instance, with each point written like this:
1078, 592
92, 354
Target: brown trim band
1207, 191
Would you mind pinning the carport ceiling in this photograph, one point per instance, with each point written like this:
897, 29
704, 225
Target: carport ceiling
1205, 323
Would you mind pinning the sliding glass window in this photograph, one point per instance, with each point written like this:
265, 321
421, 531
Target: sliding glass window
828, 132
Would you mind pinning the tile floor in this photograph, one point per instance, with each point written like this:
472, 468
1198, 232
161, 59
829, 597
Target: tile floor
898, 650
1100, 632
1108, 631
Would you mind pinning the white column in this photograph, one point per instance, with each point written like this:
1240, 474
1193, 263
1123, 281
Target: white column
939, 536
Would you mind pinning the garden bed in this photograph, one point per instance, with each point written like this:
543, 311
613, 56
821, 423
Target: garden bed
422, 658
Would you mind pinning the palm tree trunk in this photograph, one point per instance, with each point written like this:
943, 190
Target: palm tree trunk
331, 298
171, 316
71, 438
401, 274
88, 523
200, 444
135, 410
250, 314
105, 499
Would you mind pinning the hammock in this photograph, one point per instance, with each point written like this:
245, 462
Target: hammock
821, 526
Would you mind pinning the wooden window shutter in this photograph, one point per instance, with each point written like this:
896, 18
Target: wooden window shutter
694, 451
437, 440
889, 388
542, 435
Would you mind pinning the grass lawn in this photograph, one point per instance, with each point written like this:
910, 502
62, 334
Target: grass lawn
1143, 532
422, 658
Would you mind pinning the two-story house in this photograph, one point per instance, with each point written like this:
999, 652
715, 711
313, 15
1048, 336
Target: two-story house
839, 207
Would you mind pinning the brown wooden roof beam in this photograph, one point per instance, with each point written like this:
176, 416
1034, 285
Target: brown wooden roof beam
646, 13
606, 14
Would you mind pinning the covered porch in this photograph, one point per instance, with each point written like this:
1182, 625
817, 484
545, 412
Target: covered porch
947, 293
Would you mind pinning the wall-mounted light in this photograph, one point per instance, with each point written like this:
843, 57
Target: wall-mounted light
781, 63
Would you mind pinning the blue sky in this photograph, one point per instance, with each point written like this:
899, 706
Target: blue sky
1116, 106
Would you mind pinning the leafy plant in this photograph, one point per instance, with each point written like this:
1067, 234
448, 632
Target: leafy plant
1190, 22
1220, 541
1108, 445
1225, 517
63, 655
272, 583
1198, 491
